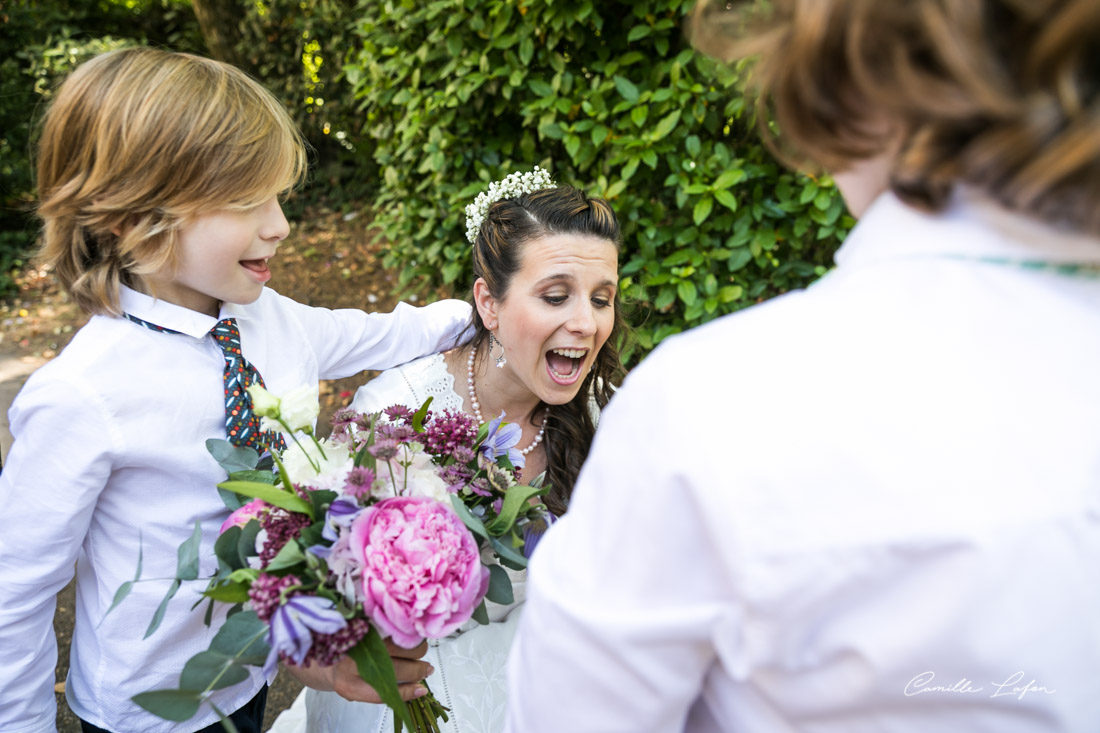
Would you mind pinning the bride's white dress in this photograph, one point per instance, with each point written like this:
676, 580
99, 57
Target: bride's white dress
469, 676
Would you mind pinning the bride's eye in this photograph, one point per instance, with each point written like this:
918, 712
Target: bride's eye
554, 299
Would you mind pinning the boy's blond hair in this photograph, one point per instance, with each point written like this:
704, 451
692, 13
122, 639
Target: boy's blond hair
137, 141
1003, 95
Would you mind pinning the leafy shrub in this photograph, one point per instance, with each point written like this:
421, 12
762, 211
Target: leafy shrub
296, 50
39, 44
609, 97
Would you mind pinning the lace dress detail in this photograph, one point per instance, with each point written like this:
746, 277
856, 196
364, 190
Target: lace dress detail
470, 676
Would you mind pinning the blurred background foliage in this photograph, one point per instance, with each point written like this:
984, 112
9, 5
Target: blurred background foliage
413, 107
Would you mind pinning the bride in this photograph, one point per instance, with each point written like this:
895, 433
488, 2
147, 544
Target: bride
546, 320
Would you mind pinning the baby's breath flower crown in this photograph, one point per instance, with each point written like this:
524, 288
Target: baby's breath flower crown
514, 185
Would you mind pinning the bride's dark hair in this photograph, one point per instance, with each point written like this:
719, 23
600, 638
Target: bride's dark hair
509, 226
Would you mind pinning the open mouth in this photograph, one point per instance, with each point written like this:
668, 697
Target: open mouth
258, 267
565, 364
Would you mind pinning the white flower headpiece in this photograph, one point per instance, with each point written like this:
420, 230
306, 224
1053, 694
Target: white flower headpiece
513, 185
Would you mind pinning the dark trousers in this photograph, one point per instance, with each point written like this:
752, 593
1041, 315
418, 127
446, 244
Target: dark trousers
248, 719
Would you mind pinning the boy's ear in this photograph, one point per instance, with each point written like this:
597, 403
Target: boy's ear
485, 303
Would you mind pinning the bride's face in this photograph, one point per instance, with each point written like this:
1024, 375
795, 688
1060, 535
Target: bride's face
557, 313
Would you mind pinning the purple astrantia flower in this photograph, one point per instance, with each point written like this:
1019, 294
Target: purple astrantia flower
358, 482
398, 412
501, 441
393, 431
384, 450
290, 634
344, 417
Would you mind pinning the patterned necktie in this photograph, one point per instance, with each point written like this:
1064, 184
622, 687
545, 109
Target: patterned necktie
241, 425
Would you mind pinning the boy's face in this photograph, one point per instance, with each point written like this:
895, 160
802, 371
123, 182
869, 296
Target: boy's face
223, 258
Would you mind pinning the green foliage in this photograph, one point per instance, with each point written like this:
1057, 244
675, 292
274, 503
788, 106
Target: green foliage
609, 97
296, 49
39, 44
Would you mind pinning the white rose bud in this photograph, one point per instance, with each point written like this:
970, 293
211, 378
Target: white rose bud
299, 408
264, 404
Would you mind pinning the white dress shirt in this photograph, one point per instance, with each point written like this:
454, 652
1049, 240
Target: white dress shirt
109, 457
873, 505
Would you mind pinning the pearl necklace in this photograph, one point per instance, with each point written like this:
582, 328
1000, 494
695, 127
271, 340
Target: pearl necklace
477, 407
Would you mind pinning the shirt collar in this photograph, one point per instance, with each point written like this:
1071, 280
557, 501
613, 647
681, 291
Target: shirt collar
971, 226
168, 315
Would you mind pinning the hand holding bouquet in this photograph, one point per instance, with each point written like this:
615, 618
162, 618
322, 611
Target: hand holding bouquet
375, 532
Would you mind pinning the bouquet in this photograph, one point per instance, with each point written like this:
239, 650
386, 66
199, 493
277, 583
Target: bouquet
335, 544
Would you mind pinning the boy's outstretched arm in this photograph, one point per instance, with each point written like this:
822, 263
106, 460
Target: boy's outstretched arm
348, 341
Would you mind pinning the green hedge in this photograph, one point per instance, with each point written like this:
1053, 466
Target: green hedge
41, 42
610, 97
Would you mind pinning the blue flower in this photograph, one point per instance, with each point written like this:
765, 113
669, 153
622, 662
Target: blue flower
292, 624
340, 513
502, 440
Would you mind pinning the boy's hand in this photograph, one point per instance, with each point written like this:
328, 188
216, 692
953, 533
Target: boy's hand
343, 678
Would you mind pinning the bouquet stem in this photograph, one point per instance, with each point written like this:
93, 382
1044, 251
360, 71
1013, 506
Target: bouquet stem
426, 712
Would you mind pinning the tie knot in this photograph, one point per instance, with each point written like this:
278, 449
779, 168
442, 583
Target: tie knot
227, 336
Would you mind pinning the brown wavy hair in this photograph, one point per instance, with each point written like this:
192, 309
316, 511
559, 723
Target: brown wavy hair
998, 94
511, 226
136, 142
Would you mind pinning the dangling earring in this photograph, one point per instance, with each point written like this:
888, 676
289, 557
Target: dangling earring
498, 358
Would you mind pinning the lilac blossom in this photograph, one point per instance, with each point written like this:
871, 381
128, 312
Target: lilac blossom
292, 625
450, 432
501, 441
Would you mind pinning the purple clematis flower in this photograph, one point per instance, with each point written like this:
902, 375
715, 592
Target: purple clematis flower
292, 624
339, 515
502, 440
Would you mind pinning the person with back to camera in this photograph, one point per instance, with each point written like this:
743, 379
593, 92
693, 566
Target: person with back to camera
158, 176
547, 323
873, 505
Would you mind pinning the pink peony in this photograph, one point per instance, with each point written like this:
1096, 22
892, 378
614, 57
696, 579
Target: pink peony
422, 576
240, 517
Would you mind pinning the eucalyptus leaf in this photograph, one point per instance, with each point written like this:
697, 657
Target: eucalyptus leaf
246, 546
508, 555
227, 548
120, 595
242, 637
481, 615
159, 615
177, 705
232, 501
210, 670
375, 667
500, 586
472, 523
187, 555
231, 457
